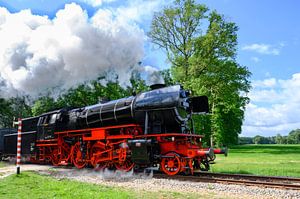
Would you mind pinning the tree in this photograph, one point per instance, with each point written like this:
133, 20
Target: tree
6, 113
77, 97
137, 84
294, 137
223, 80
167, 76
43, 105
13, 108
83, 95
245, 140
261, 140
174, 30
203, 60
89, 93
278, 139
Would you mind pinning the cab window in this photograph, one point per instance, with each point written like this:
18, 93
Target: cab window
53, 118
41, 120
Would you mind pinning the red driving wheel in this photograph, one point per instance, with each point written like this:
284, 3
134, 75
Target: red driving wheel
95, 162
55, 158
127, 165
171, 165
77, 156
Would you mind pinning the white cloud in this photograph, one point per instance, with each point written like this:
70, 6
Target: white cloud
136, 10
97, 3
255, 59
262, 49
39, 54
270, 82
282, 44
268, 74
274, 107
265, 95
269, 130
139, 10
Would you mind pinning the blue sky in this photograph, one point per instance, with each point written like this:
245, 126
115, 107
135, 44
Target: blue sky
269, 41
266, 22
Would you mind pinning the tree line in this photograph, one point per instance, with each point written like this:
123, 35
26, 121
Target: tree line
292, 138
85, 94
201, 46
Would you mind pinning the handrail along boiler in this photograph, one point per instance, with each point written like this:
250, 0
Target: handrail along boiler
152, 128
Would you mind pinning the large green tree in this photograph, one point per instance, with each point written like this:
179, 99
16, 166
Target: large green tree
175, 29
201, 45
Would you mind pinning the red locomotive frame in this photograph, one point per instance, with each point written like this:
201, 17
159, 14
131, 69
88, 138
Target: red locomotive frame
108, 147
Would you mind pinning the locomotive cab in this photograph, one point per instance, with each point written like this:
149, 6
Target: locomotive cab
48, 123
168, 109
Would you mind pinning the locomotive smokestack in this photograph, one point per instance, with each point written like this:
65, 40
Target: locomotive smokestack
157, 86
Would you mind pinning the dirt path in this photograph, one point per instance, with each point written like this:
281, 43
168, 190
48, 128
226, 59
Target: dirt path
11, 169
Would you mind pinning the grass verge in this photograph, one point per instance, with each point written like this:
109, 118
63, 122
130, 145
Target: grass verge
32, 185
270, 160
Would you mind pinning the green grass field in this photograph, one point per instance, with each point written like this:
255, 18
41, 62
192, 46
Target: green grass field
32, 185
272, 160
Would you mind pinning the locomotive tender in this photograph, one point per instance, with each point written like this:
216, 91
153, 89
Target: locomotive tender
153, 128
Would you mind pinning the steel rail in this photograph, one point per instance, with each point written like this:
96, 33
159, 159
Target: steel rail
237, 179
249, 177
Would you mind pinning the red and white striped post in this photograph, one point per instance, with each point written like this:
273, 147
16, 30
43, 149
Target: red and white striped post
19, 145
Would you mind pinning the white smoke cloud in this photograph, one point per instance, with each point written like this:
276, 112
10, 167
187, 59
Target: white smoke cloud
153, 75
38, 54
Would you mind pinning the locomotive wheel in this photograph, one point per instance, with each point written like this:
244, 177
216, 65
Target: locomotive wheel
98, 165
55, 158
127, 165
204, 165
171, 165
77, 158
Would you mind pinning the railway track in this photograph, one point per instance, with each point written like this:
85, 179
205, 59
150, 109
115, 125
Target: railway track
238, 179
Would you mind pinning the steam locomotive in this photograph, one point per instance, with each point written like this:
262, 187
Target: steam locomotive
150, 129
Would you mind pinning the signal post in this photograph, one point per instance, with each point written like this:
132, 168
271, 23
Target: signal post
19, 139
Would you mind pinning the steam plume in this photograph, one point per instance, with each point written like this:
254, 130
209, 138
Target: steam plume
153, 75
39, 54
